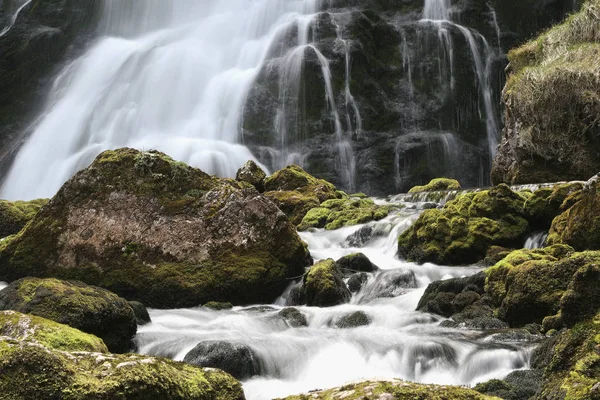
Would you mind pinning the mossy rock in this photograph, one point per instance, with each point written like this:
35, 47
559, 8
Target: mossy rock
87, 308
337, 213
32, 371
545, 203
218, 306
551, 105
294, 177
252, 174
22, 327
142, 316
437, 184
394, 389
579, 225
324, 285
573, 371
293, 203
465, 228
155, 230
356, 262
14, 215
535, 286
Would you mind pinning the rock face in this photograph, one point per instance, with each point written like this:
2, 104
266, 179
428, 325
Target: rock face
32, 371
48, 333
14, 215
579, 224
466, 227
394, 389
324, 285
45, 35
87, 308
233, 358
158, 231
552, 105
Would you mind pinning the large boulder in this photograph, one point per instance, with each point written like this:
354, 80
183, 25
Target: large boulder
452, 296
48, 333
14, 215
552, 104
546, 203
236, 359
324, 285
579, 224
30, 370
158, 231
87, 308
356, 262
466, 227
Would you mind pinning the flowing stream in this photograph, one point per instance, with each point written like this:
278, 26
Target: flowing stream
399, 342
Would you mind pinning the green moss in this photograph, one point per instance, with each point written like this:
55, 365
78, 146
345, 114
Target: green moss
48, 333
394, 389
466, 227
337, 213
293, 203
437, 184
30, 371
294, 177
14, 215
324, 285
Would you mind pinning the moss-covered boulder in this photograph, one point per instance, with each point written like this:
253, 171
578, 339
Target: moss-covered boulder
14, 215
30, 370
22, 327
234, 358
579, 224
140, 311
452, 296
540, 285
324, 285
295, 191
253, 174
552, 104
158, 231
466, 227
546, 203
356, 262
573, 371
87, 308
437, 184
518, 385
337, 213
394, 389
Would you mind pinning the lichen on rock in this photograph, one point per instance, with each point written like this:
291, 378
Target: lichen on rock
158, 231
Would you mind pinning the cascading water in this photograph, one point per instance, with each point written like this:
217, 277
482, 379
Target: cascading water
167, 75
12, 9
439, 14
397, 343
536, 240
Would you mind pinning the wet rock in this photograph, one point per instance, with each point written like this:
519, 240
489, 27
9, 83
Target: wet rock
513, 335
454, 295
236, 359
141, 313
518, 385
324, 285
293, 317
296, 295
253, 174
87, 308
357, 262
156, 230
360, 237
357, 281
353, 320
485, 323
218, 306
258, 309
389, 283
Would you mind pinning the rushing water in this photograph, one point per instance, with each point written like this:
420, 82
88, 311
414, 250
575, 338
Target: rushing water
166, 75
398, 343
536, 240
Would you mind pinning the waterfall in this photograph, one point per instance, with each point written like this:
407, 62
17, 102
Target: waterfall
166, 75
13, 9
536, 240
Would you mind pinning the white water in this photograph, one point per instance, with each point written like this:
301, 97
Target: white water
439, 14
13, 8
398, 343
3, 285
536, 240
167, 75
